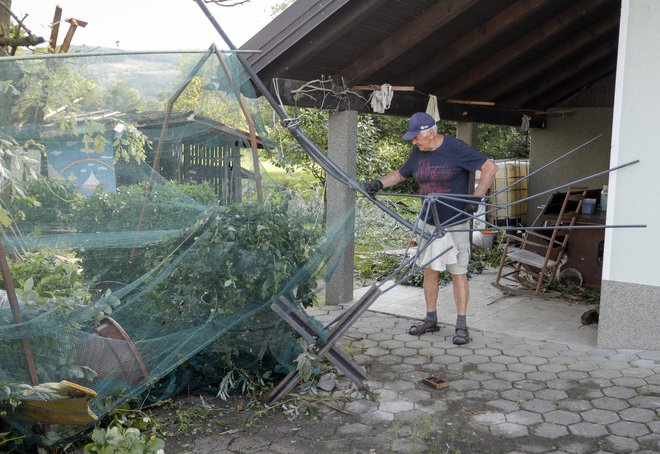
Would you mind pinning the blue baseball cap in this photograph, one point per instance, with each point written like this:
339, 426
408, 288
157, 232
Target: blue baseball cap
419, 121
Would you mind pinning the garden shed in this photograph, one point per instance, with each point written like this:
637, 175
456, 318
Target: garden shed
570, 70
194, 149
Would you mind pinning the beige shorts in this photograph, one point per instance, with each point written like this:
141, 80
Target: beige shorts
456, 259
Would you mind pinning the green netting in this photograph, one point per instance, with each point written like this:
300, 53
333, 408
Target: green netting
143, 244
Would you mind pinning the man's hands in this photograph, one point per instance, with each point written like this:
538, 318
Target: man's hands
373, 187
472, 207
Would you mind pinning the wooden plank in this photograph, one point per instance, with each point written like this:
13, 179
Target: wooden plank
411, 34
55, 29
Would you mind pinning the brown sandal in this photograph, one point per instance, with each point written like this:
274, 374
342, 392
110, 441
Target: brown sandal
426, 326
461, 335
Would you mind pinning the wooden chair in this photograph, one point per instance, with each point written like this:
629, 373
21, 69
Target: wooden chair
531, 262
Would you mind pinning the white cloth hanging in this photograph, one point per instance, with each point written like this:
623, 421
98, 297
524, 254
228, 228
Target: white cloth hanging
381, 98
432, 108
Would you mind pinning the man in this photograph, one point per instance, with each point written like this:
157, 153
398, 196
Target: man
442, 164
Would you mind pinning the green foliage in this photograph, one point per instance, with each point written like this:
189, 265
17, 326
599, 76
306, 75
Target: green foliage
503, 142
120, 440
46, 204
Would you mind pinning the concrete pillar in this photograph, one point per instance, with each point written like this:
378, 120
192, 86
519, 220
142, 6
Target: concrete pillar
467, 132
630, 293
342, 148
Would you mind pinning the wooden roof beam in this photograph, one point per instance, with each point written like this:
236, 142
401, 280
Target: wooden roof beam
502, 58
556, 77
478, 37
409, 35
571, 87
319, 40
520, 76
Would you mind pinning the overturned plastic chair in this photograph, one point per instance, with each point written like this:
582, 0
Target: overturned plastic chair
530, 262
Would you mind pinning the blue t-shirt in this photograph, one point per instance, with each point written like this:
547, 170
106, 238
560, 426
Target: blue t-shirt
444, 170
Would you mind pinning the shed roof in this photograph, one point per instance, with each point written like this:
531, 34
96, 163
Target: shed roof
486, 60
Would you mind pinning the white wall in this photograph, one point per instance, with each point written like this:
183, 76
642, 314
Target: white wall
634, 196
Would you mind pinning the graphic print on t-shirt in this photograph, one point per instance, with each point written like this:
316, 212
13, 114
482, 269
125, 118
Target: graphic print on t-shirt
433, 179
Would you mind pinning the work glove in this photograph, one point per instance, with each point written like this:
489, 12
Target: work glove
373, 187
472, 207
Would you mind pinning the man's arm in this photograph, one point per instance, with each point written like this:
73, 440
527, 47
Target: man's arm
488, 171
391, 179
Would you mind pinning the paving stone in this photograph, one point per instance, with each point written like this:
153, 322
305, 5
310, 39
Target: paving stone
387, 394
489, 418
551, 367
637, 372
392, 360
572, 375
529, 385
655, 425
575, 404
419, 344
548, 430
542, 376
588, 429
380, 336
401, 351
354, 428
431, 406
611, 364
414, 395
508, 430
596, 382
416, 360
504, 359
464, 385
645, 363
618, 444
526, 418
629, 429
610, 403
533, 360
584, 392
402, 368
492, 367
396, 406
638, 415
562, 417
517, 395
475, 359
460, 351
504, 405
605, 373
522, 367
481, 394
575, 445
538, 405
399, 385
376, 416
357, 407
496, 385
554, 395
446, 359
392, 344
375, 352
477, 375
510, 376
599, 416
619, 392
561, 384
650, 354
650, 442
651, 402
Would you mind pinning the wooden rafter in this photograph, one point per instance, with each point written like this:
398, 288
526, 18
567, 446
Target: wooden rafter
576, 83
324, 38
532, 69
480, 36
517, 49
556, 77
411, 34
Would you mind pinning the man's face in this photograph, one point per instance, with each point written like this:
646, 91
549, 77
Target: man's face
425, 140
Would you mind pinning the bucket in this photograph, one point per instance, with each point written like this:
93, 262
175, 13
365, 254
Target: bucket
588, 206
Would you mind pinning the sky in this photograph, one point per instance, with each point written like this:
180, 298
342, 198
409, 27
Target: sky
147, 24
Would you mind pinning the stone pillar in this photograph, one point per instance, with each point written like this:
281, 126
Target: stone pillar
467, 132
342, 147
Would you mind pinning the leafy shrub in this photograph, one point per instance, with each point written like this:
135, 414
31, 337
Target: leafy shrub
119, 440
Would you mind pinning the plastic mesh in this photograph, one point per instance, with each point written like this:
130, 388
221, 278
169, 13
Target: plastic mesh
142, 255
